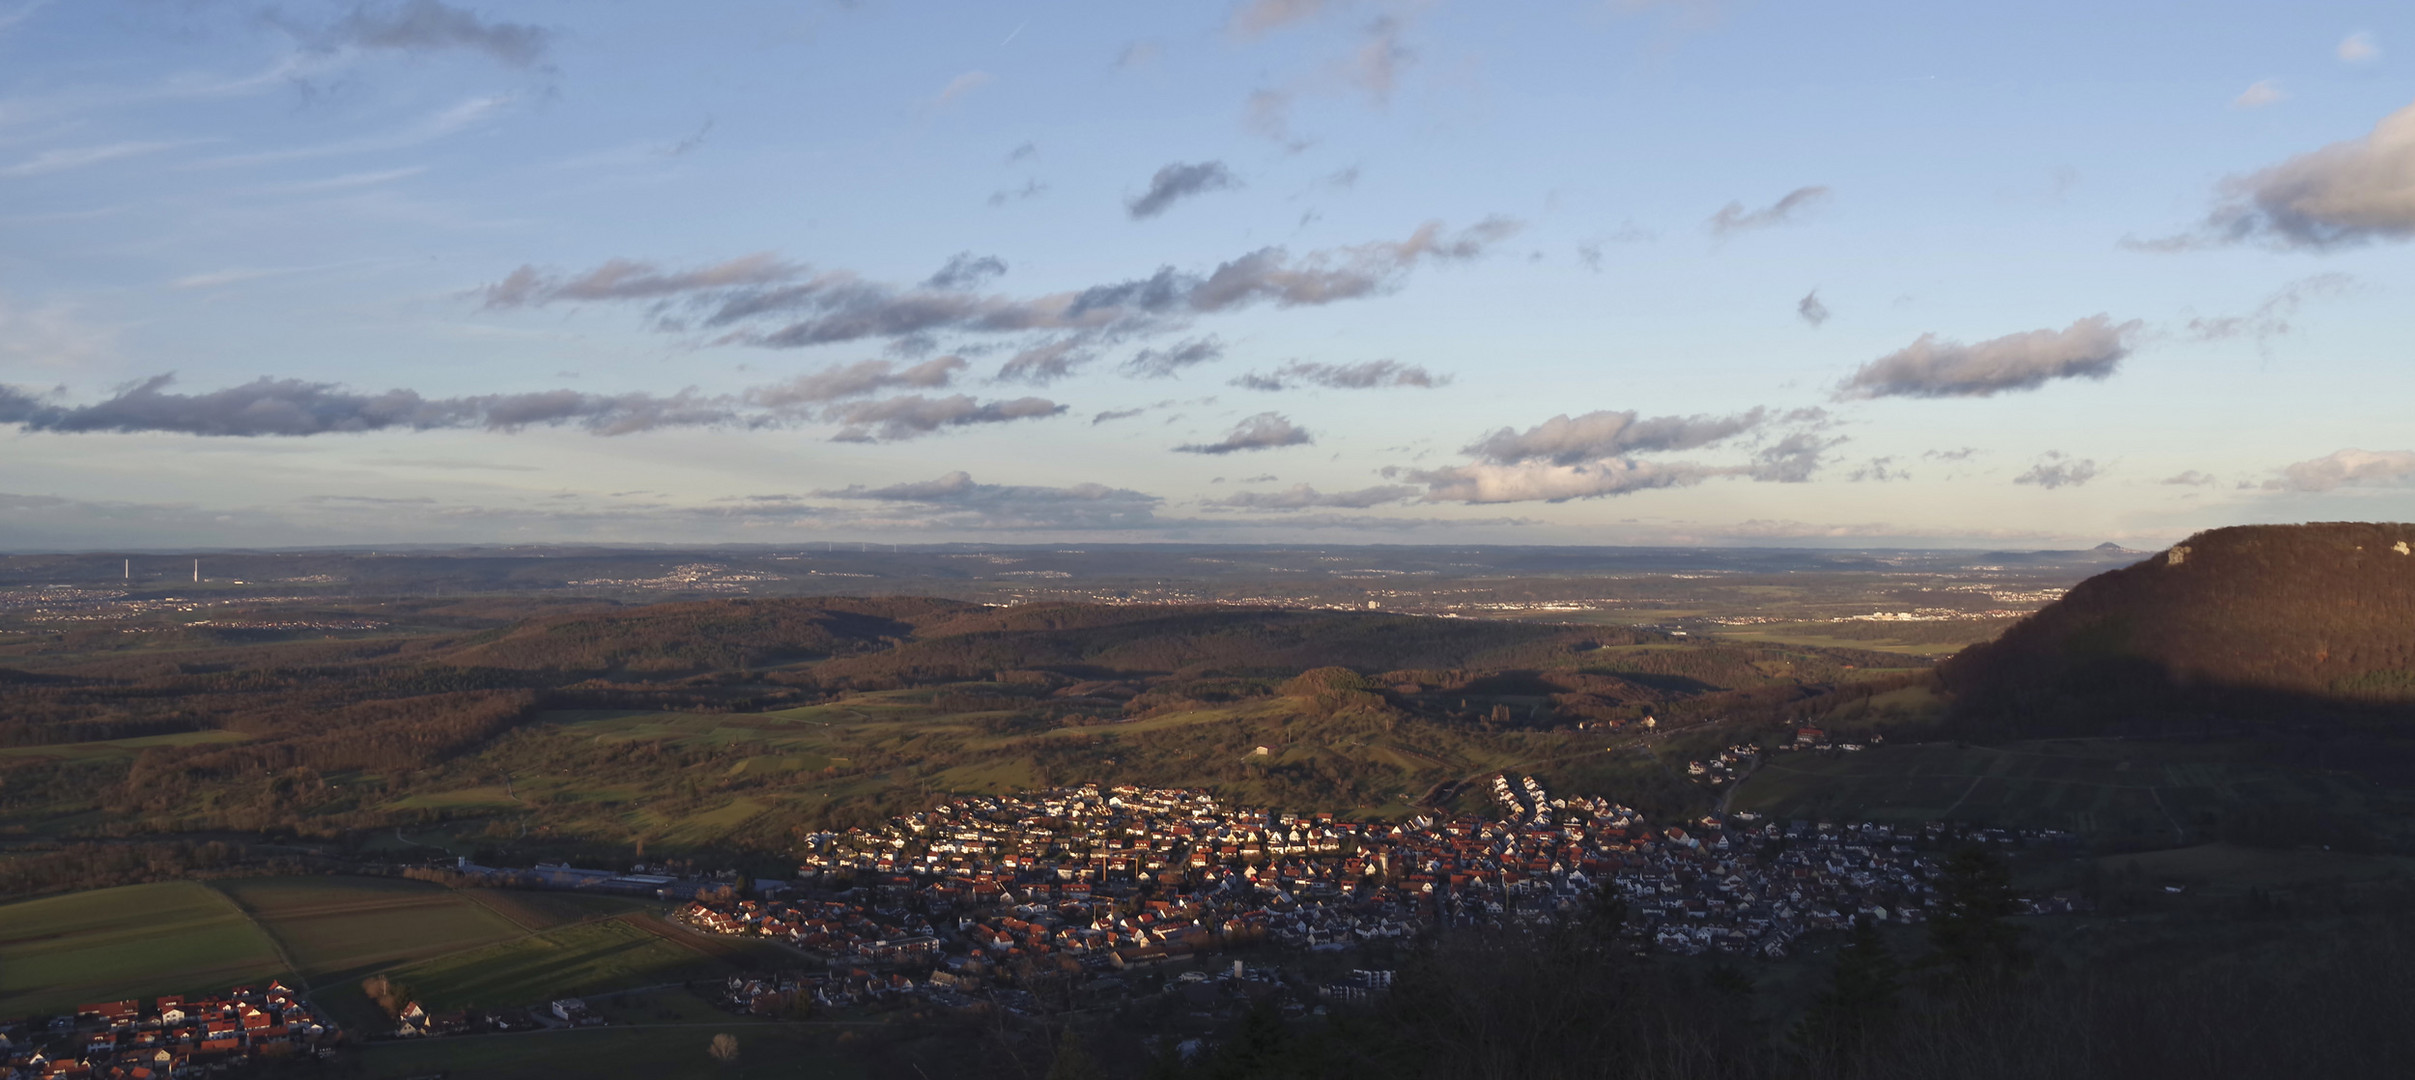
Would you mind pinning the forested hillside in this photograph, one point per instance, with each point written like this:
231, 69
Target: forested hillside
731, 721
2262, 622
671, 639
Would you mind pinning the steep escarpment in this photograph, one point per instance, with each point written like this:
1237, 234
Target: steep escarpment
2260, 622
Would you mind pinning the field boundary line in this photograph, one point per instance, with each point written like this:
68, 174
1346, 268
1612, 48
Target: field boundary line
2177, 834
330, 910
284, 956
502, 914
1966, 795
637, 921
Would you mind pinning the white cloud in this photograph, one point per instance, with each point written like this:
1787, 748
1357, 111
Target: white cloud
2058, 470
11, 19
855, 380
231, 276
956, 500
2359, 48
2258, 94
459, 117
2349, 192
1303, 497
1265, 431
431, 26
1544, 481
2271, 318
1734, 218
962, 85
1567, 440
1259, 16
912, 415
1368, 375
50, 335
77, 157
1933, 367
2342, 468
1178, 181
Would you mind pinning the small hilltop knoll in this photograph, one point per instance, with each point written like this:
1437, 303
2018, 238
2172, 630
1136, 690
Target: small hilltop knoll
2294, 626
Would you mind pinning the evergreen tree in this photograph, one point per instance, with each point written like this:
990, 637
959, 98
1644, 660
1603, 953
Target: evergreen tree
1860, 1002
1972, 939
1592, 931
1264, 1047
1073, 1060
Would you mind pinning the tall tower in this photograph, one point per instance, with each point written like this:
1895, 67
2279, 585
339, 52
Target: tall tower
129, 569
196, 571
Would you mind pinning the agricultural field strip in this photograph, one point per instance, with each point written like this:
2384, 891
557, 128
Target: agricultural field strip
389, 961
490, 943
523, 973
515, 917
284, 955
434, 900
155, 933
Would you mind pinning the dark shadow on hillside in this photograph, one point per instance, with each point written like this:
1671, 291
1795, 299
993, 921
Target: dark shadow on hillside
1673, 684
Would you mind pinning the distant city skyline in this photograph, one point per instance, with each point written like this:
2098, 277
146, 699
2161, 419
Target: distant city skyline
332, 272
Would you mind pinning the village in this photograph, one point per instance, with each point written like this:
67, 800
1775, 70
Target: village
1078, 892
222, 1034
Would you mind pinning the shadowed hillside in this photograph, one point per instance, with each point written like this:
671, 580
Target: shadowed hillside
2261, 623
705, 635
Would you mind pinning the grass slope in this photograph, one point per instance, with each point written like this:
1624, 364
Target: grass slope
337, 928
573, 960
140, 940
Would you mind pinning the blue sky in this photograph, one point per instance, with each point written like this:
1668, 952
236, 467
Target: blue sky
322, 272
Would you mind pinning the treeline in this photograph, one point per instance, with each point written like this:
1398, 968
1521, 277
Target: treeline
1111, 641
713, 635
76, 867
1730, 665
279, 780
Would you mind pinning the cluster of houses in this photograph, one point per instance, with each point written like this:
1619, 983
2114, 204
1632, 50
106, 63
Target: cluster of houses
1722, 769
1818, 741
416, 1021
1083, 885
243, 1028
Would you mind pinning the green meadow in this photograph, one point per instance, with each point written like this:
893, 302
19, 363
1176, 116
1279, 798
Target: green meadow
342, 928
576, 960
139, 940
326, 934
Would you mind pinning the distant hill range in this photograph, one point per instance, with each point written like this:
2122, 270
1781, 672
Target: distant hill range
2258, 623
